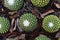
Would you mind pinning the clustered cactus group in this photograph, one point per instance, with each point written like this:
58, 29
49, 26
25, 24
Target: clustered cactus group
28, 22
17, 4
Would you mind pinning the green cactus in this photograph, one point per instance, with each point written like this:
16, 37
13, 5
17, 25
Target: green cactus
4, 25
13, 4
51, 23
28, 22
42, 37
40, 3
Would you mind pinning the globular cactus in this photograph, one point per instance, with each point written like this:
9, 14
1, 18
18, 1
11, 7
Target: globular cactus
51, 23
28, 22
13, 4
4, 25
42, 37
40, 3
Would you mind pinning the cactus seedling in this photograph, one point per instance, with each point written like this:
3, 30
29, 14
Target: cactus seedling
13, 4
28, 22
51, 23
4, 25
42, 37
40, 3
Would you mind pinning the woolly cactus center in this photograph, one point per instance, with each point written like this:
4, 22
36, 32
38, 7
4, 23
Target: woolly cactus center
50, 24
11, 2
26, 23
0, 26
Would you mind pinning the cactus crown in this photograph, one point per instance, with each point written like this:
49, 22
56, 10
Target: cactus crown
51, 23
28, 22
